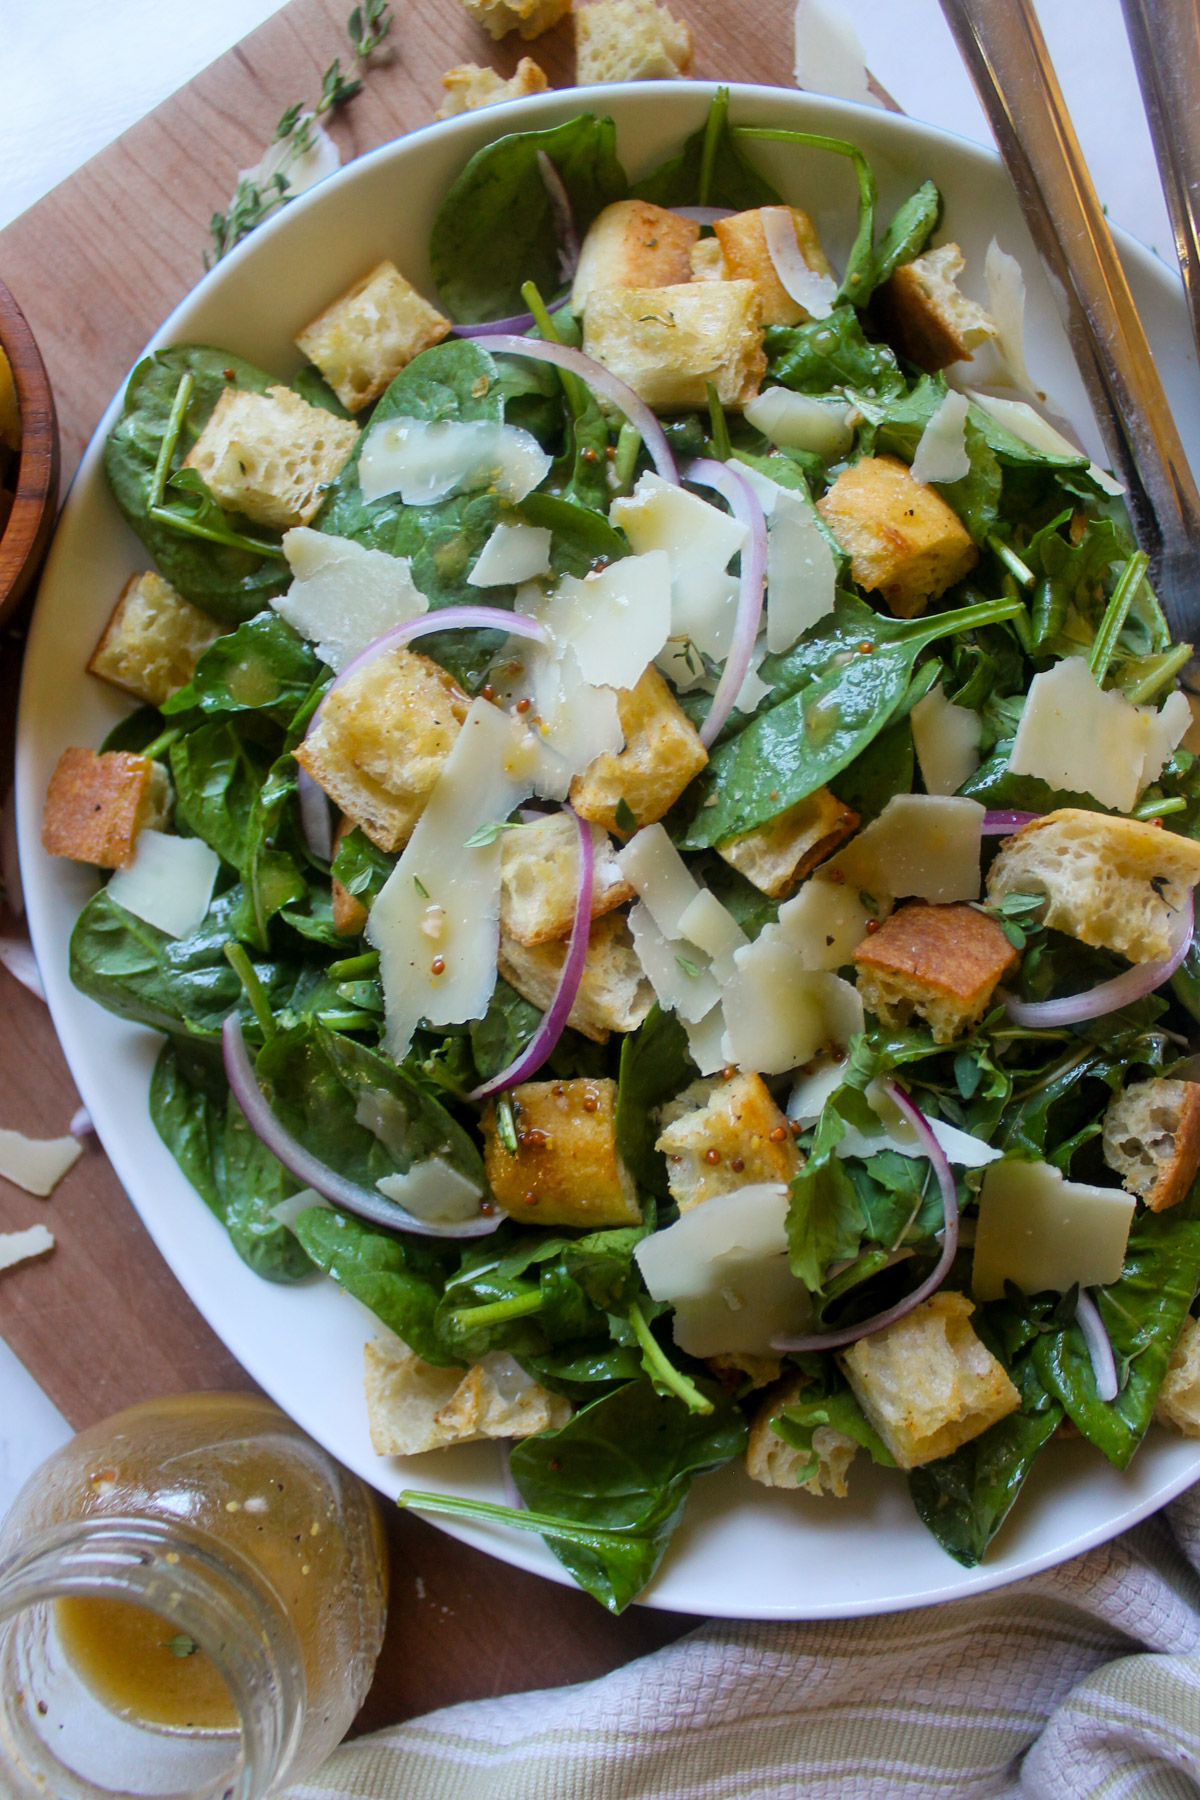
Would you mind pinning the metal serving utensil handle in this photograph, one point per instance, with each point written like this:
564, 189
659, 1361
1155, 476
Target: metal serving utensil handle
1164, 36
1002, 45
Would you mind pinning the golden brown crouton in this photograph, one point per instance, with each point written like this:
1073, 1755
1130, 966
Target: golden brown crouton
349, 913
941, 962
743, 243
925, 317
662, 753
414, 1406
271, 456
1152, 1139
669, 343
900, 535
742, 1370
738, 1121
774, 1462
538, 879
613, 995
630, 40
153, 640
1113, 883
529, 17
1178, 1403
634, 244
927, 1384
380, 743
567, 1169
707, 260
98, 801
777, 855
469, 87
364, 338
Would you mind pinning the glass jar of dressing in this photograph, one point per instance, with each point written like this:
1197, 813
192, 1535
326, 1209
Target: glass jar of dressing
192, 1601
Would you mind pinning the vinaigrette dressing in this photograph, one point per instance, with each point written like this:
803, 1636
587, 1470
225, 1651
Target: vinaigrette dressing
137, 1667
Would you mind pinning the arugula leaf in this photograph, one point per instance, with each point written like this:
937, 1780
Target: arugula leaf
826, 355
360, 866
399, 1279
828, 1404
504, 1030
710, 170
263, 666
824, 1222
906, 235
655, 1066
857, 280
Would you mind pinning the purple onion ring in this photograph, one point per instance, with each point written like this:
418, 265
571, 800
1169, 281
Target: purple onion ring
728, 480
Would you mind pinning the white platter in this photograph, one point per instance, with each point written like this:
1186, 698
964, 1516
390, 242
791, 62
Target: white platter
743, 1551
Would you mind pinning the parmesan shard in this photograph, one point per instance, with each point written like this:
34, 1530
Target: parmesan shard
615, 621
344, 596
778, 1014
706, 1041
824, 923
922, 845
679, 972
801, 569
19, 1246
37, 1164
169, 883
942, 452
424, 461
1084, 739
572, 721
713, 928
699, 541
947, 741
798, 422
653, 866
513, 554
1020, 418
434, 1191
1044, 1232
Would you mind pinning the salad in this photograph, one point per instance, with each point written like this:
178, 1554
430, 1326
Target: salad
660, 835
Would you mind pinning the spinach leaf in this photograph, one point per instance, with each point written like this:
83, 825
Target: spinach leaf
885, 768
582, 1371
263, 666
495, 229
504, 1030
136, 731
710, 170
581, 537
218, 773
399, 1279
824, 1221
361, 867
827, 354
655, 1066
907, 232
271, 876
828, 1402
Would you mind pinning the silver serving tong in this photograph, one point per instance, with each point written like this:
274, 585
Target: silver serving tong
1164, 36
1002, 45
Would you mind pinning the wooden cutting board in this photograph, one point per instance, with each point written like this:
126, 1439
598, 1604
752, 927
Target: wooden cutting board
96, 266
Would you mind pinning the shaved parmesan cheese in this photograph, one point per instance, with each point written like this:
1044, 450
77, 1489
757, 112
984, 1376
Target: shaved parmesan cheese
895, 1133
798, 422
653, 867
18, 1246
778, 1014
808, 1097
302, 169
810, 288
169, 883
942, 452
1018, 417
344, 596
947, 742
754, 689
487, 773
423, 460
921, 844
1042, 1231
829, 53
1006, 304
801, 570
1165, 731
615, 621
713, 928
706, 1041
1080, 737
289, 1210
678, 972
37, 1164
572, 721
824, 923
513, 553
699, 541
433, 1191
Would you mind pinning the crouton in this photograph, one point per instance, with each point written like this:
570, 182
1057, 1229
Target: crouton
153, 641
469, 87
567, 1169
613, 995
1112, 883
738, 1120
413, 1406
743, 242
529, 17
925, 317
927, 1383
349, 913
941, 962
662, 753
707, 261
630, 40
271, 456
538, 864
669, 343
741, 1371
777, 855
1152, 1139
98, 801
774, 1462
380, 743
1178, 1403
633, 244
364, 338
900, 535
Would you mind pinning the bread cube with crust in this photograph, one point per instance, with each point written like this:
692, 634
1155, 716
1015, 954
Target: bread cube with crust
382, 738
926, 318
707, 260
662, 753
777, 855
633, 244
900, 535
1178, 1403
539, 865
736, 1122
630, 40
529, 17
1152, 1139
469, 87
742, 1371
153, 640
414, 1406
1111, 882
614, 995
927, 1383
670, 343
567, 1169
743, 242
98, 801
364, 338
271, 456
941, 962
773, 1462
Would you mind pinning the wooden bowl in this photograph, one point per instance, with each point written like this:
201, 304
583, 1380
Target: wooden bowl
26, 536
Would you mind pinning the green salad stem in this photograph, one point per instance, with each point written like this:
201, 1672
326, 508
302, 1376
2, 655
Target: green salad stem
1020, 571
350, 968
722, 448
1115, 614
170, 437
260, 1006
858, 279
661, 1369
577, 395
499, 1312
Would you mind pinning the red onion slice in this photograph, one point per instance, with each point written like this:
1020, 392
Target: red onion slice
999, 824
1133, 984
833, 1340
810, 289
603, 381
564, 217
555, 1017
1104, 1367
310, 1170
703, 215
727, 480
316, 819
518, 323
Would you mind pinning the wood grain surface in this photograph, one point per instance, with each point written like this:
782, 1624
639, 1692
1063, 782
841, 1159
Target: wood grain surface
95, 267
25, 535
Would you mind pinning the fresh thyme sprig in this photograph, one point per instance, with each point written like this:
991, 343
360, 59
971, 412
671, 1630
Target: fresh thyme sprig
254, 199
